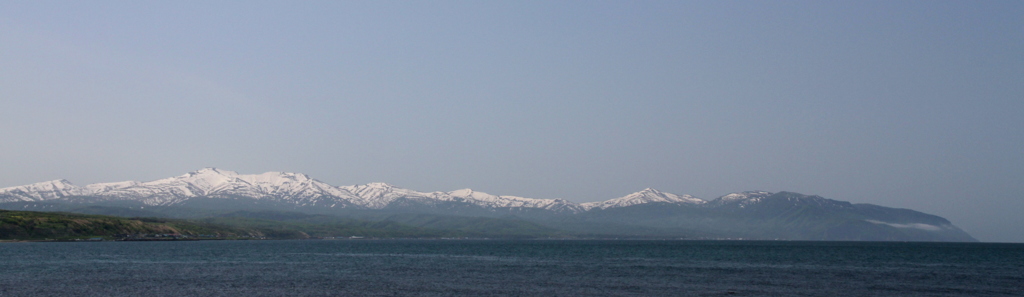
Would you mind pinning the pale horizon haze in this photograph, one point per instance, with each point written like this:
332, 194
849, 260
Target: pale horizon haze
908, 104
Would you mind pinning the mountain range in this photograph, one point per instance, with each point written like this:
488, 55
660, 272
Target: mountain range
648, 213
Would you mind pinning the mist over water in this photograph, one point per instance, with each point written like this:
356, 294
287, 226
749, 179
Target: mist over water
498, 267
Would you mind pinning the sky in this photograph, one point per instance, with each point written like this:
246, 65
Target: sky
909, 104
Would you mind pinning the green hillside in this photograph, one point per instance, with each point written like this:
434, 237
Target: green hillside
31, 225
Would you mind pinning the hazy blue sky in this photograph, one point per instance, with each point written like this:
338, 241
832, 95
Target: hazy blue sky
913, 104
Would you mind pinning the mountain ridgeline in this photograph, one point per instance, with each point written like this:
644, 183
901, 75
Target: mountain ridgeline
212, 193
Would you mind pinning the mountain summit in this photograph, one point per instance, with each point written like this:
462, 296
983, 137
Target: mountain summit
647, 195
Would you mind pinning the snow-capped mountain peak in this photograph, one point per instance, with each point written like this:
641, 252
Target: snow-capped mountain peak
371, 189
468, 193
648, 195
204, 179
53, 189
741, 199
379, 195
57, 184
751, 196
103, 187
485, 199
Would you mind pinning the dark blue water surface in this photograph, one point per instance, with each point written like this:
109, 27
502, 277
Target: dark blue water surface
520, 268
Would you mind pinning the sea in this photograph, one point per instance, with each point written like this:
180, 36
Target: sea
510, 268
